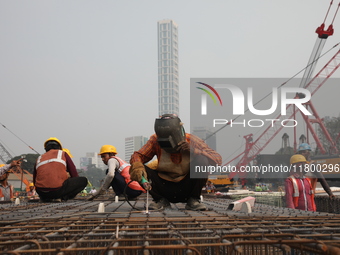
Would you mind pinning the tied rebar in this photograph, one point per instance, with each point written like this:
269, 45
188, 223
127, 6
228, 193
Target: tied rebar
75, 227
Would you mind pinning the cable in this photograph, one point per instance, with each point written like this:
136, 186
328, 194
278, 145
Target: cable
271, 92
19, 139
127, 200
126, 197
330, 5
337, 9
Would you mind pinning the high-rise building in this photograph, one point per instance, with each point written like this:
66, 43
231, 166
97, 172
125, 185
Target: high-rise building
168, 93
92, 158
132, 144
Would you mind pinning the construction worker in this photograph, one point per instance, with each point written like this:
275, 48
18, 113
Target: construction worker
55, 175
6, 167
258, 188
298, 188
84, 193
93, 190
304, 149
68, 152
32, 192
176, 152
6, 189
210, 187
117, 176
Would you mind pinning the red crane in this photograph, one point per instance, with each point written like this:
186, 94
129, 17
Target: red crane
319, 44
253, 148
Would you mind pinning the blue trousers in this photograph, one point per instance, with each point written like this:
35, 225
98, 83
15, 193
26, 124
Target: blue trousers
118, 184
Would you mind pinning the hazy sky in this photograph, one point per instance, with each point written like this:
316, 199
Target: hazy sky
86, 71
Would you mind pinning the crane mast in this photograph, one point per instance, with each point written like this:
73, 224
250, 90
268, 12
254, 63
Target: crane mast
5, 156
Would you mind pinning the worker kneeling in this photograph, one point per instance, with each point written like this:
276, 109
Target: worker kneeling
176, 152
117, 176
51, 174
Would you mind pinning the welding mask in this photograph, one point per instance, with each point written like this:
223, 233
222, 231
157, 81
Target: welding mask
170, 132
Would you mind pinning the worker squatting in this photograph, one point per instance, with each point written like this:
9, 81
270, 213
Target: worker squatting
255, 122
243, 169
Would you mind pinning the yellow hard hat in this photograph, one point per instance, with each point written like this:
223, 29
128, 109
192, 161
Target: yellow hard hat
53, 139
31, 184
107, 149
2, 165
68, 152
297, 158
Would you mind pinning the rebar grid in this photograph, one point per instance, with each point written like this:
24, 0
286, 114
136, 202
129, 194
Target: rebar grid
77, 228
164, 235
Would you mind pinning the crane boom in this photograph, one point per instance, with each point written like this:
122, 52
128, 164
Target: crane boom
323, 34
5, 156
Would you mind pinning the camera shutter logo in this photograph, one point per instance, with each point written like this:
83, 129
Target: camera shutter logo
204, 97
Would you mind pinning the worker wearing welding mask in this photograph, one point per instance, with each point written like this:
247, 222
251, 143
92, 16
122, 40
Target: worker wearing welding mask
176, 152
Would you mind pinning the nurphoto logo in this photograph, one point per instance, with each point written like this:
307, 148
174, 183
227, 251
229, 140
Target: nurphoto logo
239, 99
229, 99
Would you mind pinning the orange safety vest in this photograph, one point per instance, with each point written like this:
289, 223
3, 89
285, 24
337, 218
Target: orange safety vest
124, 169
10, 192
51, 169
296, 193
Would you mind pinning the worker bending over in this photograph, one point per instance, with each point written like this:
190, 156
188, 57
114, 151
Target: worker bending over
117, 176
176, 152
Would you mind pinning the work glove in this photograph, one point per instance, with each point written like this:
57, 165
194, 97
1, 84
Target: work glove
137, 170
183, 146
94, 195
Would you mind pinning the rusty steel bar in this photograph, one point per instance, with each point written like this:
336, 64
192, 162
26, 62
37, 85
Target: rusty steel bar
71, 228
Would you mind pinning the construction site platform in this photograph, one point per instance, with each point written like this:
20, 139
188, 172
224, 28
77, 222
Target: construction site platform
76, 227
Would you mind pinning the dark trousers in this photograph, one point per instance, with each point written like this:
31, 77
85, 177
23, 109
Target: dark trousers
118, 184
71, 187
177, 192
